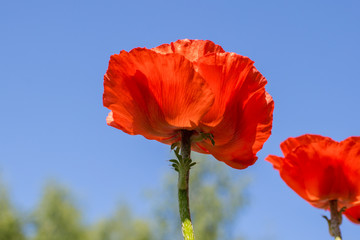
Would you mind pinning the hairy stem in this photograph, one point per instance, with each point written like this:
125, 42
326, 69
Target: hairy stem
335, 220
185, 144
183, 185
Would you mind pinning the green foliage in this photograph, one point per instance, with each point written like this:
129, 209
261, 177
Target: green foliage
56, 217
216, 196
10, 223
120, 226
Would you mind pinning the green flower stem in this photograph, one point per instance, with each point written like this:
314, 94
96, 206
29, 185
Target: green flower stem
183, 185
335, 220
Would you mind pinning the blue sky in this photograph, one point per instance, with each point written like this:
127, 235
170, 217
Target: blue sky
53, 55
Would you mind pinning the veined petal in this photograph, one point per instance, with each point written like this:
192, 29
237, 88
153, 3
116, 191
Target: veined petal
263, 129
246, 124
225, 73
291, 144
190, 49
154, 94
316, 169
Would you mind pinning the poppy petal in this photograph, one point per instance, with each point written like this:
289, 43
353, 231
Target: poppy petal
225, 73
310, 170
353, 214
320, 169
190, 49
276, 161
350, 156
291, 144
246, 124
154, 94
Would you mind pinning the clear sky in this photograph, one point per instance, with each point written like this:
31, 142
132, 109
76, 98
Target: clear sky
53, 55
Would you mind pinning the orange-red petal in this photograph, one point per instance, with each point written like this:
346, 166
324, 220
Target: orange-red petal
154, 94
246, 122
353, 214
320, 169
276, 161
225, 73
291, 144
190, 49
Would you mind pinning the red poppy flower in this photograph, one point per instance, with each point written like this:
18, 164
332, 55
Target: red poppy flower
193, 85
353, 214
320, 169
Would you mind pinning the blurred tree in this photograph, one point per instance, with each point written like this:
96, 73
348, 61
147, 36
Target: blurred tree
10, 223
56, 217
216, 197
121, 226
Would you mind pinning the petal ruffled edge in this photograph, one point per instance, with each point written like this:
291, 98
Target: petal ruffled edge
290, 144
243, 131
225, 73
190, 49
